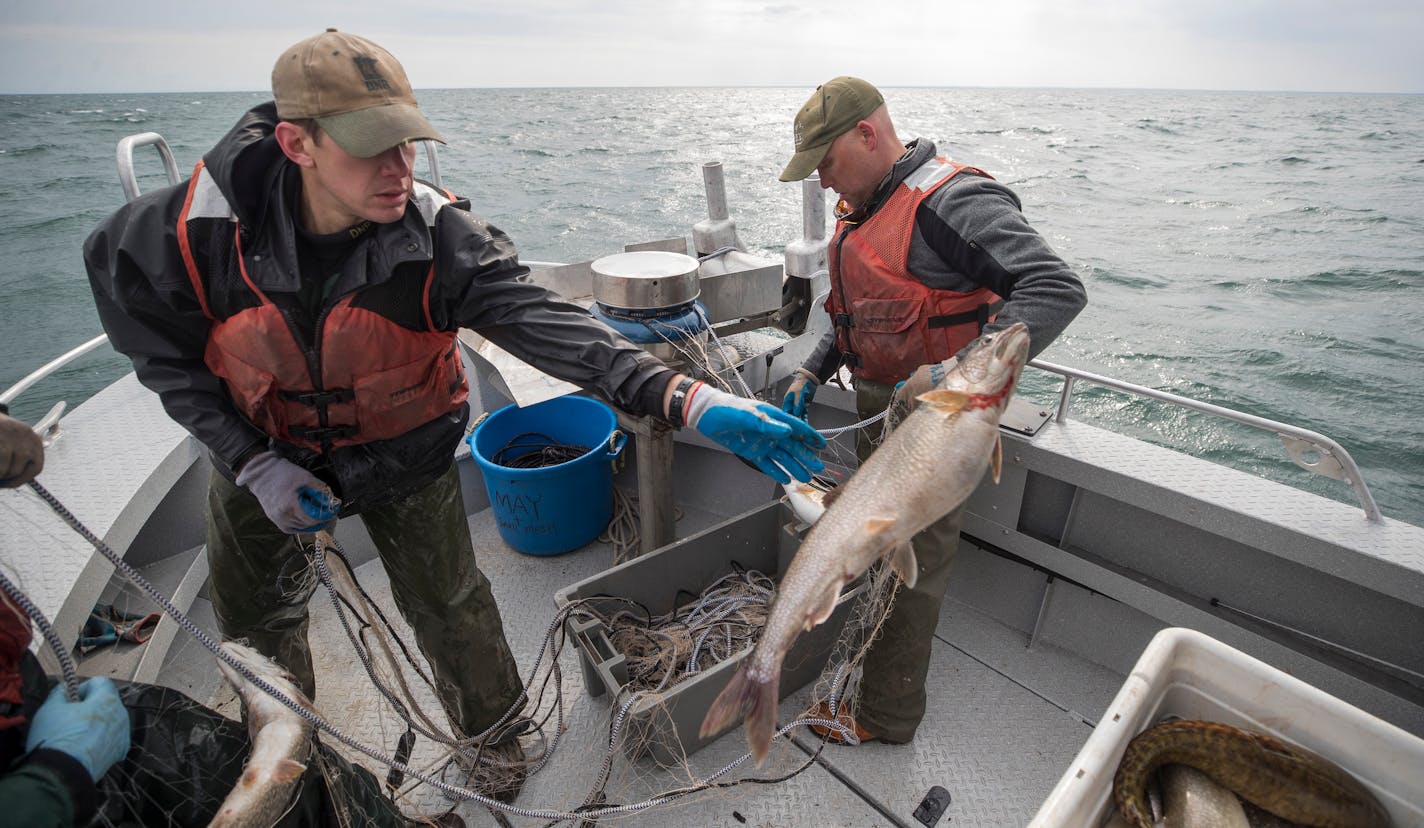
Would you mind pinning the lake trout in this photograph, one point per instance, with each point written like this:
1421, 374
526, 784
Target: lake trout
1289, 781
281, 744
924, 469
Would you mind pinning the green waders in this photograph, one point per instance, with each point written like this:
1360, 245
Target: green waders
260, 584
892, 690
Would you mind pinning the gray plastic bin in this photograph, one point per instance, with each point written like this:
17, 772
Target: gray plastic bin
666, 724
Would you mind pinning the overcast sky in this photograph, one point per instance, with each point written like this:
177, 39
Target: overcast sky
202, 45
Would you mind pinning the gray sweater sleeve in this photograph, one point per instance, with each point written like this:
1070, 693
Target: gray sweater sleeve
971, 233
483, 286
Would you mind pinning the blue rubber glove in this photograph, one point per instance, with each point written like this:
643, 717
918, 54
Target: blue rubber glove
799, 393
94, 730
292, 497
775, 442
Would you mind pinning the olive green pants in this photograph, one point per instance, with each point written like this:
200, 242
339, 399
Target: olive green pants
261, 581
892, 690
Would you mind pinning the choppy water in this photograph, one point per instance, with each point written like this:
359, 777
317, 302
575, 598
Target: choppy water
1263, 252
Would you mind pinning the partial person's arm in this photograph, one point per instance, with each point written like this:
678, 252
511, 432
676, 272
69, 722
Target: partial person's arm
973, 228
47, 788
152, 315
483, 286
68, 747
21, 453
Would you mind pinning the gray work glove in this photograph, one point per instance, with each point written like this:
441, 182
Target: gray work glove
294, 500
799, 393
925, 379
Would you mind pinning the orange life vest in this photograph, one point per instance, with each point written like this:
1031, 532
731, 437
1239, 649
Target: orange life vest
372, 379
888, 322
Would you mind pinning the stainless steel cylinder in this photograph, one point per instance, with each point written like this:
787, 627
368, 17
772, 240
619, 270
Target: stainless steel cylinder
645, 280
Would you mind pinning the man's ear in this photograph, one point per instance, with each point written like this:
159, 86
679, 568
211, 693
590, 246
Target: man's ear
869, 136
295, 143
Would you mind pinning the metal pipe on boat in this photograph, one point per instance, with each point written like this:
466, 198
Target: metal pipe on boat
717, 231
813, 208
9, 394
716, 187
806, 257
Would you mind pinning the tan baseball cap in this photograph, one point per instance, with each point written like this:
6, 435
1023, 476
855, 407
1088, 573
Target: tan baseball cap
354, 89
835, 107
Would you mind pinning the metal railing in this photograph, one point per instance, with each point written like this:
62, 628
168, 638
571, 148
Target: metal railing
128, 179
124, 158
1309, 450
48, 425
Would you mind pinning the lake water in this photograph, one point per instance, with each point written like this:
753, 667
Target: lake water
1263, 252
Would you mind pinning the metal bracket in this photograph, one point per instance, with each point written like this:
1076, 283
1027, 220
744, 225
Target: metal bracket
1313, 457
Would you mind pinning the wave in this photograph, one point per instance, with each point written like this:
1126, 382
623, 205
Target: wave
1150, 125
1113, 277
28, 150
1020, 130
1348, 281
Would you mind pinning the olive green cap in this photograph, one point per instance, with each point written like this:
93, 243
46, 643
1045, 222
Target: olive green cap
835, 107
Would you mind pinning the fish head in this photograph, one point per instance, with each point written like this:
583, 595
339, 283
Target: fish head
993, 363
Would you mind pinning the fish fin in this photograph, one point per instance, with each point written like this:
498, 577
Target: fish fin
745, 695
822, 609
878, 525
287, 770
996, 461
945, 400
902, 560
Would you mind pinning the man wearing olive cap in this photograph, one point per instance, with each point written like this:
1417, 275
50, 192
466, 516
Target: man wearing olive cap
295, 305
927, 255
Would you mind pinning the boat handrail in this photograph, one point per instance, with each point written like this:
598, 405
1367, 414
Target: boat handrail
1331, 459
48, 425
129, 180
29, 380
124, 157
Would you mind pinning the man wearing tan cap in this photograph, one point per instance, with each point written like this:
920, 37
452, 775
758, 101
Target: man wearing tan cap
926, 256
295, 306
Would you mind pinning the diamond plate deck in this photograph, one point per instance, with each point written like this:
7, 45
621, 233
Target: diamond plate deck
114, 492
524, 587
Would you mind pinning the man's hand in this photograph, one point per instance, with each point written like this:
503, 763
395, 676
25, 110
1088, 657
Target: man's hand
94, 730
925, 378
775, 442
293, 498
799, 393
21, 453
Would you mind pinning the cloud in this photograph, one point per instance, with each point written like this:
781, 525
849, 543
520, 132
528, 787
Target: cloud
159, 45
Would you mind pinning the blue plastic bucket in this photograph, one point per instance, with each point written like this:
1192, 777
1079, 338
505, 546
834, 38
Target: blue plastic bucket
551, 509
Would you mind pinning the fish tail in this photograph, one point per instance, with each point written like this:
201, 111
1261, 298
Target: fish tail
752, 697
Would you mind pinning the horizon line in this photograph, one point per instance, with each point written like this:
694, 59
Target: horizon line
513, 87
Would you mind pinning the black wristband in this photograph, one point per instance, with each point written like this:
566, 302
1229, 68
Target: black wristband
4, 409
679, 399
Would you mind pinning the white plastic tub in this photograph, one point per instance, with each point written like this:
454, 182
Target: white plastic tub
1189, 675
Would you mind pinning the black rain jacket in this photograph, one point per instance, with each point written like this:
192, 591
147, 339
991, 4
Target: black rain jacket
152, 314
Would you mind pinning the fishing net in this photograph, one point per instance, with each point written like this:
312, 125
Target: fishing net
185, 758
